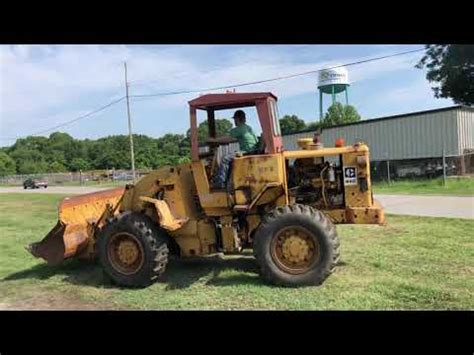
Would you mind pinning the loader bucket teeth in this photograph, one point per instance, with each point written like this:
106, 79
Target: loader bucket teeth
51, 248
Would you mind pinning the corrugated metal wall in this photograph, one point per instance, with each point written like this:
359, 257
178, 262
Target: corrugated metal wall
405, 137
413, 136
465, 129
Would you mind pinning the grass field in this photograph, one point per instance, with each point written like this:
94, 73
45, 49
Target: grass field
411, 263
454, 186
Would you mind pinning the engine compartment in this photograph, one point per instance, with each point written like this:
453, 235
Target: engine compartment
316, 182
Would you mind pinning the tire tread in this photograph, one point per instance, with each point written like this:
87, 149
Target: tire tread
311, 214
153, 239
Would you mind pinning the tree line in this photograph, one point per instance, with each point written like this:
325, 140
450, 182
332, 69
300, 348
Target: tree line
60, 152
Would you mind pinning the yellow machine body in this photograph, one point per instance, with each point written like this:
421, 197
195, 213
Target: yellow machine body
202, 221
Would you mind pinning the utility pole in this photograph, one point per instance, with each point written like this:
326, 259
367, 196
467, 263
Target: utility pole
132, 155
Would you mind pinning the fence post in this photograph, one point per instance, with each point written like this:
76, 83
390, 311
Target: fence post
462, 165
444, 168
388, 172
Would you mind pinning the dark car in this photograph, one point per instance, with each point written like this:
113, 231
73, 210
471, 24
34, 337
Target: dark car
34, 184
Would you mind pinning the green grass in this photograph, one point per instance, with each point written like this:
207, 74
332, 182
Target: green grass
454, 186
411, 263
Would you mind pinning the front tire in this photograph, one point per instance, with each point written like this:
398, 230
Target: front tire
133, 250
296, 245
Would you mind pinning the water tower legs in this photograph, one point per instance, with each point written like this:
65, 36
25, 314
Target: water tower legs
320, 105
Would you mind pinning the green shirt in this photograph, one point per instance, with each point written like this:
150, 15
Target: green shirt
245, 136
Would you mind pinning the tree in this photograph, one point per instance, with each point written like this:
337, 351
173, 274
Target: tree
28, 160
31, 143
111, 152
56, 167
340, 114
291, 124
313, 126
7, 165
223, 127
32, 167
79, 164
451, 68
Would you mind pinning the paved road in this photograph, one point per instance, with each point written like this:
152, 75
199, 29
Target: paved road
432, 206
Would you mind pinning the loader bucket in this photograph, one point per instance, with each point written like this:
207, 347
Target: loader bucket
79, 217
51, 248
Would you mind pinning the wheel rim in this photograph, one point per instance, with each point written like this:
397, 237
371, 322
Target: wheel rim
295, 249
125, 253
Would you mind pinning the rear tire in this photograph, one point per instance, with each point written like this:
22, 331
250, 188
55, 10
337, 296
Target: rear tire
296, 245
133, 250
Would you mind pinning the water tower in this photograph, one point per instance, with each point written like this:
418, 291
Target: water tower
332, 82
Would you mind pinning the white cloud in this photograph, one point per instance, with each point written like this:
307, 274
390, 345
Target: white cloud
42, 86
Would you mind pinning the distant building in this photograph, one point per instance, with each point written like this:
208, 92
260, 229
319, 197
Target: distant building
413, 143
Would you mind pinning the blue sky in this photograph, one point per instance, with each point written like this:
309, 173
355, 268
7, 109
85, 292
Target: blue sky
42, 86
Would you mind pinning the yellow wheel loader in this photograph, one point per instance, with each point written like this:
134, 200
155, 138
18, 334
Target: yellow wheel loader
283, 204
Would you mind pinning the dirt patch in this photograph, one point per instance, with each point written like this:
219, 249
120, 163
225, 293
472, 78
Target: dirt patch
55, 302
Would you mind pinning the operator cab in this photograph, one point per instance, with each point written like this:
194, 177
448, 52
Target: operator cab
270, 141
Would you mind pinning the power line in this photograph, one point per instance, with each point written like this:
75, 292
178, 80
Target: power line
276, 78
77, 118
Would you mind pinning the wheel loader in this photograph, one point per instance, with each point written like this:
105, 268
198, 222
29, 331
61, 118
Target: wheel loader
284, 204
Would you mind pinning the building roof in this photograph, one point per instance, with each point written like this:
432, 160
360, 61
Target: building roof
415, 113
229, 100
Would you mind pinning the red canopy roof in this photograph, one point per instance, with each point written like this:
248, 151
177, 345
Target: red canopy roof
229, 100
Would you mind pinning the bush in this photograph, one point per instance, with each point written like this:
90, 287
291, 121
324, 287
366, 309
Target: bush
7, 165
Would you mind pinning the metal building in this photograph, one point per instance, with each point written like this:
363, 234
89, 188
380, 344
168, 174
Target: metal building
417, 138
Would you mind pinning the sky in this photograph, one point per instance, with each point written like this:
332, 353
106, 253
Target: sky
42, 86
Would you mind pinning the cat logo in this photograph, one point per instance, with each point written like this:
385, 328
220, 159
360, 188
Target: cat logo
350, 175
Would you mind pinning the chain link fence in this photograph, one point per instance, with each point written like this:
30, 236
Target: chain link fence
96, 177
428, 168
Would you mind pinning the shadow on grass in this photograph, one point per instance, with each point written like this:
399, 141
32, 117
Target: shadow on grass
183, 273
77, 272
180, 273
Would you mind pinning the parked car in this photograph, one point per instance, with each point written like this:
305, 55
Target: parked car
34, 184
123, 176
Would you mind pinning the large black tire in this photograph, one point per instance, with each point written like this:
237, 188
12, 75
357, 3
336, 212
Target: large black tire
150, 240
321, 237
